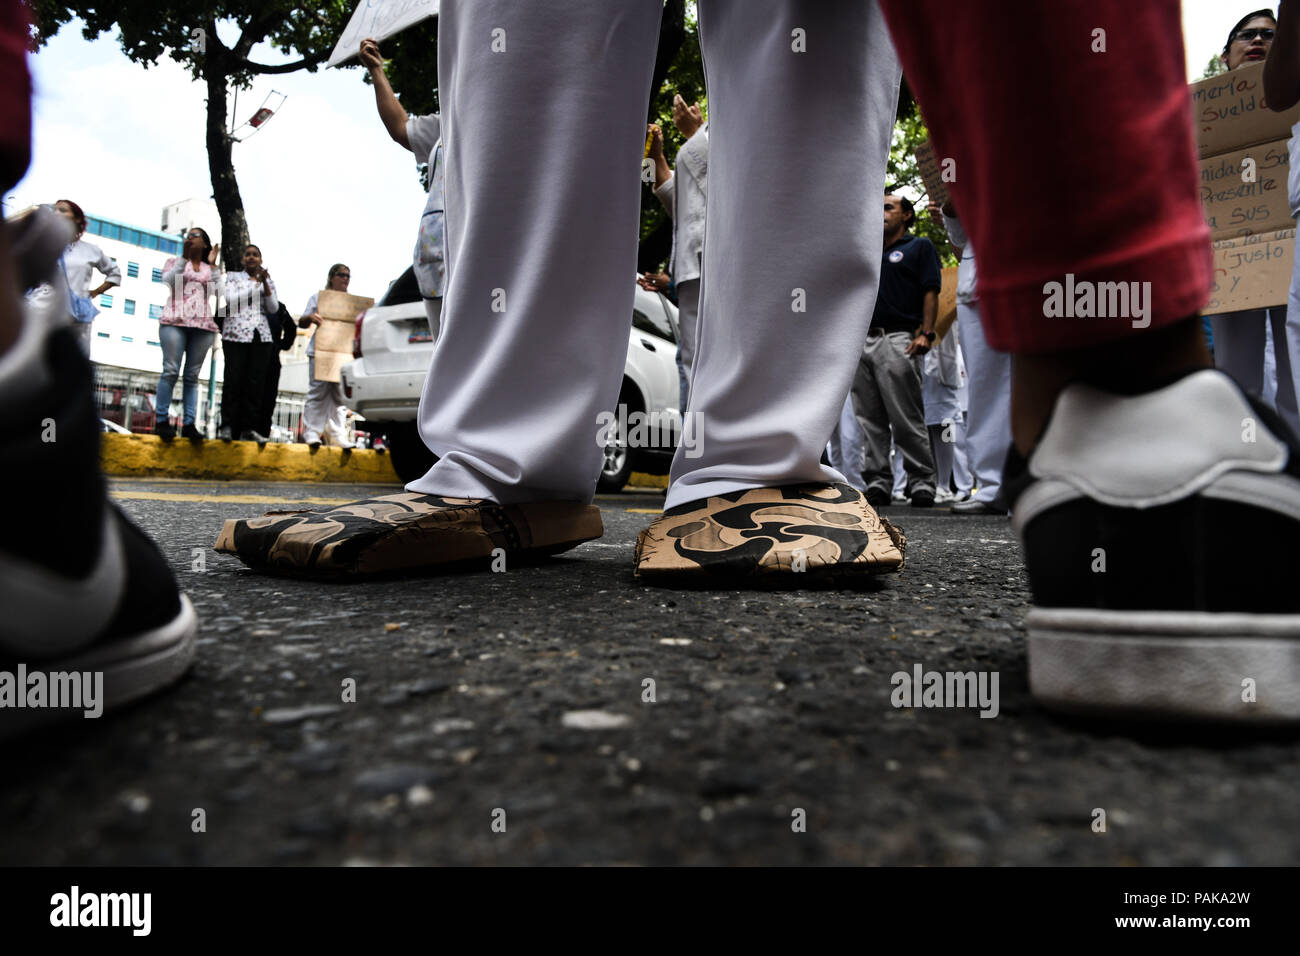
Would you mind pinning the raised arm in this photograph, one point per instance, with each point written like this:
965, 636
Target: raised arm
390, 110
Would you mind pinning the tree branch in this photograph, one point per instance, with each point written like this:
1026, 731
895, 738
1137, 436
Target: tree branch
313, 60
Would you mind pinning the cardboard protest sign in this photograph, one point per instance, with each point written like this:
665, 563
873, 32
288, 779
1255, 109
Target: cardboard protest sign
1252, 272
339, 312
1246, 192
931, 170
947, 303
379, 19
1244, 171
1229, 113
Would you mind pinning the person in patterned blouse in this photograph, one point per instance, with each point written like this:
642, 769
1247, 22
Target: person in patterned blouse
186, 329
250, 298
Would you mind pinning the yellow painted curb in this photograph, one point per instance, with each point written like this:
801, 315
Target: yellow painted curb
640, 479
148, 456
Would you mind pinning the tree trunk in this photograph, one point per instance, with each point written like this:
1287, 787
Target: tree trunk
221, 167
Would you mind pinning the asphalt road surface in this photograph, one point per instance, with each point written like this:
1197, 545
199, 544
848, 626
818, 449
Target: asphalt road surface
503, 718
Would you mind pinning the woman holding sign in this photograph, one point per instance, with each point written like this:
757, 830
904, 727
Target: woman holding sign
324, 411
1241, 339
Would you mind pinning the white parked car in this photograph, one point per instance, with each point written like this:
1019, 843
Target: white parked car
391, 352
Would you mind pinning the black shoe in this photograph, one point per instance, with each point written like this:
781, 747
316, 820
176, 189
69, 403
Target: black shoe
1159, 533
878, 499
225, 434
83, 589
192, 433
923, 499
249, 435
972, 507
166, 431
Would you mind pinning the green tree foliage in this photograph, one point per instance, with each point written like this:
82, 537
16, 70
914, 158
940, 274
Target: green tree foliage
187, 33
903, 175
1214, 67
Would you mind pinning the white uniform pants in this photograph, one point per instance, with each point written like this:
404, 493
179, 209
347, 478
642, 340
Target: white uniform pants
324, 411
1240, 345
845, 450
988, 410
544, 127
688, 324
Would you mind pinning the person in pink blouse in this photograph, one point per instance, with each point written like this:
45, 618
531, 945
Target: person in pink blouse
186, 329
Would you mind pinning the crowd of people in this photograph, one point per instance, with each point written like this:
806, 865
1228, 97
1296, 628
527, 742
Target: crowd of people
1122, 439
205, 301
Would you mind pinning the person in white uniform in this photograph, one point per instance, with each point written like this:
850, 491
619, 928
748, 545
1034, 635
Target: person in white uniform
683, 192
543, 135
80, 260
422, 135
1240, 339
942, 386
988, 420
324, 412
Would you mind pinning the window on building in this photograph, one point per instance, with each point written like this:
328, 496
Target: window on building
110, 231
129, 307
152, 342
106, 301
157, 275
133, 270
155, 311
103, 335
128, 338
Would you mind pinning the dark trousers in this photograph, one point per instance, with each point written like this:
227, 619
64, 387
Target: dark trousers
270, 390
243, 388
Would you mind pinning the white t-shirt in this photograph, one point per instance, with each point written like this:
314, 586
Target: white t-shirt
308, 309
966, 265
429, 259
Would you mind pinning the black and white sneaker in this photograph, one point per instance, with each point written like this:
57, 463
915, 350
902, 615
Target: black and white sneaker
82, 589
1160, 533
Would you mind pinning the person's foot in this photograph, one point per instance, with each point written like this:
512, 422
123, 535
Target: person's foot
224, 433
405, 533
165, 430
312, 441
923, 499
192, 433
877, 498
972, 507
249, 435
84, 590
1159, 533
810, 528
961, 495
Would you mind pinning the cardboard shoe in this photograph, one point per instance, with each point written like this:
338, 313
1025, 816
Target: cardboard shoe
793, 529
404, 533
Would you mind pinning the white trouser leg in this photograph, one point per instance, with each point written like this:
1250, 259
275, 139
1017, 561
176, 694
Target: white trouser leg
988, 426
900, 472
323, 410
960, 466
688, 322
797, 149
1239, 347
1284, 382
543, 123
846, 446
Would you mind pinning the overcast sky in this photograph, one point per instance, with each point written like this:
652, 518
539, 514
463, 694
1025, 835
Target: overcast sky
321, 182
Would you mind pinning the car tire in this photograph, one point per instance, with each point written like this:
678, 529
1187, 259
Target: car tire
616, 467
410, 456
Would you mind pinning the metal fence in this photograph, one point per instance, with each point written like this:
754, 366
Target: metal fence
127, 398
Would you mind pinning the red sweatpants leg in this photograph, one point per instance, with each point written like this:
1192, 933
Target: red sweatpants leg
15, 94
1067, 160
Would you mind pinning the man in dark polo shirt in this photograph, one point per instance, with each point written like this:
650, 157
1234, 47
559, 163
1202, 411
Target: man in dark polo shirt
887, 386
